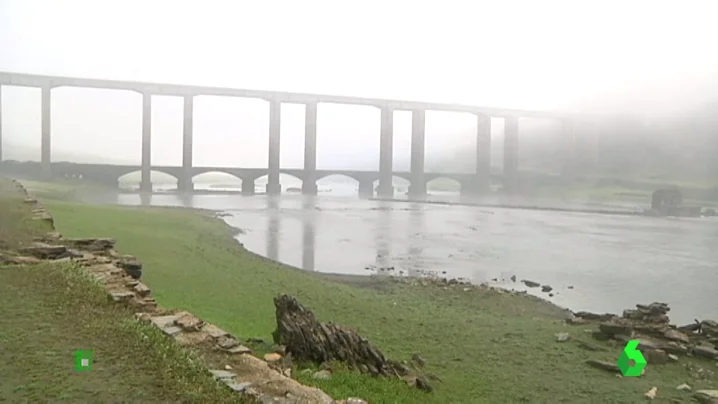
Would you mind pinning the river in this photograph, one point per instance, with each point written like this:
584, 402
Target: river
599, 263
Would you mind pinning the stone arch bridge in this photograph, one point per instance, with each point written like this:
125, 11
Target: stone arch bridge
109, 174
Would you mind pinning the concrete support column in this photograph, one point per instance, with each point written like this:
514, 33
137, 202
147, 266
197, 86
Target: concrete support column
46, 133
418, 184
184, 184
1, 124
247, 187
366, 189
309, 184
511, 153
146, 182
275, 114
483, 154
386, 154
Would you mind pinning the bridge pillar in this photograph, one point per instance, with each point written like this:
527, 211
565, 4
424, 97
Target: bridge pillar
417, 188
46, 156
483, 155
184, 183
386, 154
247, 187
309, 182
366, 189
511, 153
146, 181
275, 119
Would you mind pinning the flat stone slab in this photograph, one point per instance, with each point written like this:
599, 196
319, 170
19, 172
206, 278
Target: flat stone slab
164, 321
239, 349
214, 331
122, 296
237, 386
222, 374
172, 330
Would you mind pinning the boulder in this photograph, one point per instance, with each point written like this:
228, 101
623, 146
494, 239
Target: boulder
306, 339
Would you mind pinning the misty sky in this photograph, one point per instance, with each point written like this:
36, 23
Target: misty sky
630, 56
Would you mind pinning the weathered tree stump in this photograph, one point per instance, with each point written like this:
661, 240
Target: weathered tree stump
309, 340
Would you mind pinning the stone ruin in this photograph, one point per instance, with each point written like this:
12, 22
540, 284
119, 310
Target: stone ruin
669, 202
661, 342
308, 340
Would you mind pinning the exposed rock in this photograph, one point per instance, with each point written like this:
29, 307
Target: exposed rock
530, 284
122, 296
91, 244
45, 251
546, 288
656, 356
651, 394
706, 396
613, 329
132, 267
272, 357
141, 289
307, 339
603, 365
189, 322
419, 360
673, 358
322, 375
594, 316
684, 387
227, 342
676, 335
563, 337
705, 351
352, 400
239, 349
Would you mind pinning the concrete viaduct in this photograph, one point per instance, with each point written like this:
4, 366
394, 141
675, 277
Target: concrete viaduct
473, 183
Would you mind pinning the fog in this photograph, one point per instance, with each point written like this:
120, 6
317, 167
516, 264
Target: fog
650, 60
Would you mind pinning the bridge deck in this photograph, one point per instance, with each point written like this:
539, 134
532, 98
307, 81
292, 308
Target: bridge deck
32, 80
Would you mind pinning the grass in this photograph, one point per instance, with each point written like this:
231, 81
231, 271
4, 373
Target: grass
488, 347
51, 310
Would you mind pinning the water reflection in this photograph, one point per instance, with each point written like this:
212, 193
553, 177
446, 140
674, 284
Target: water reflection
309, 206
416, 232
383, 235
273, 228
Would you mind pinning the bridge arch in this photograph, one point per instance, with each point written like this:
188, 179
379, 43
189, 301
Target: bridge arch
216, 179
399, 182
286, 180
442, 183
159, 179
339, 183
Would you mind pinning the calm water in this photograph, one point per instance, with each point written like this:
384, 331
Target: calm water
612, 262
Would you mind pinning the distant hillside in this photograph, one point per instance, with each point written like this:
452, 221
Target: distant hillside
27, 153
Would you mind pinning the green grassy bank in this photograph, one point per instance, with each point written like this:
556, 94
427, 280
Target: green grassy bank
488, 347
48, 311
